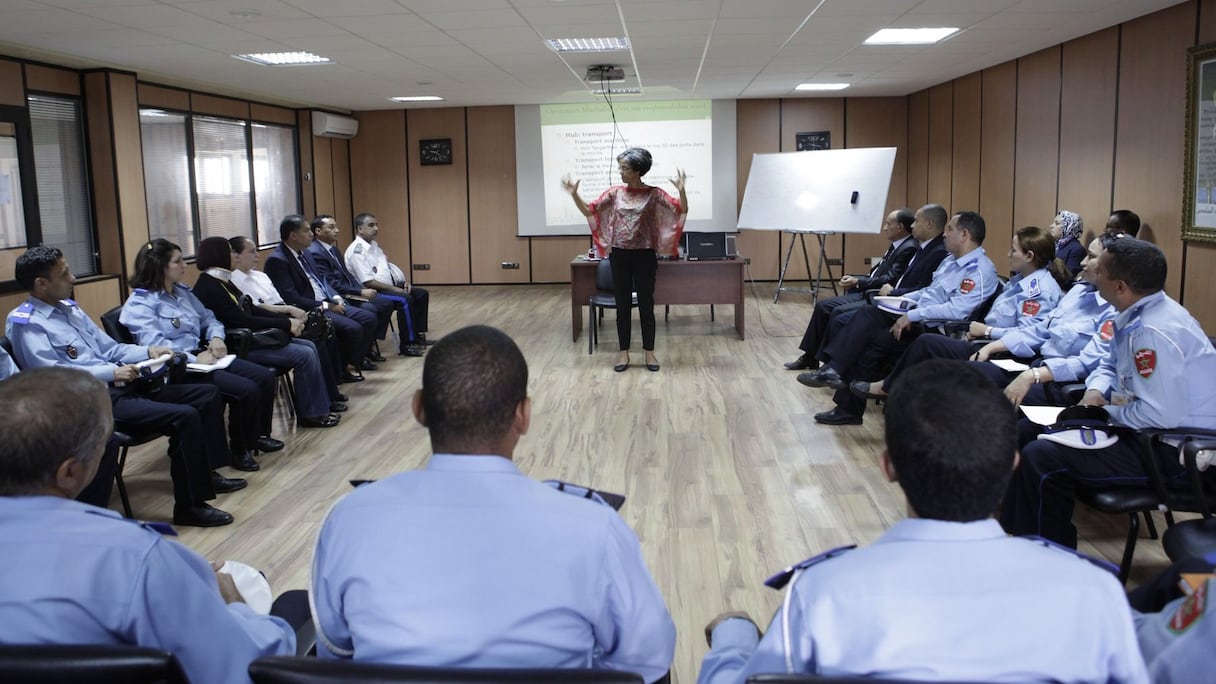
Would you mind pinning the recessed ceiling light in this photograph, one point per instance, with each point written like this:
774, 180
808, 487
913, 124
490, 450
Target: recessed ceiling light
285, 58
909, 36
587, 44
822, 86
417, 98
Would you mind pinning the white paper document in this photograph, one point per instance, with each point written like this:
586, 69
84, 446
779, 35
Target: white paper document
1043, 415
1009, 365
208, 367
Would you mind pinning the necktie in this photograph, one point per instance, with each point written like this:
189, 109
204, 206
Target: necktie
885, 257
318, 290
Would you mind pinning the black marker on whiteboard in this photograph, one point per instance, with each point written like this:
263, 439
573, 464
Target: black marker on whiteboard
853, 200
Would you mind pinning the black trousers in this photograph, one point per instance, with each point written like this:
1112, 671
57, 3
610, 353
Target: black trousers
634, 270
356, 331
817, 328
248, 389
1043, 489
929, 347
192, 417
1046, 394
861, 350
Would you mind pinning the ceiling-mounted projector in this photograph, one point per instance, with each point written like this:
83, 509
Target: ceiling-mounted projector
605, 73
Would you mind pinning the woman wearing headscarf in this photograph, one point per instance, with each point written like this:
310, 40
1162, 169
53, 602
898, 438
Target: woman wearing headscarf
1066, 229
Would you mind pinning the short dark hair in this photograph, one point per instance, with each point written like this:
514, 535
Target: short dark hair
50, 415
974, 224
936, 214
637, 158
951, 436
150, 263
319, 220
1127, 221
472, 382
237, 244
213, 252
37, 262
362, 218
1138, 263
906, 218
290, 224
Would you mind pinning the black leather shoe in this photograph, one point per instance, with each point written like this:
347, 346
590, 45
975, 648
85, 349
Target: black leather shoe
837, 417
348, 376
864, 390
411, 350
653, 367
827, 377
377, 357
268, 445
367, 365
340, 397
319, 421
244, 461
338, 407
804, 362
200, 515
423, 341
223, 485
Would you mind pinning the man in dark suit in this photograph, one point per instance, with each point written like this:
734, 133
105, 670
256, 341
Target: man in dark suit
293, 276
898, 229
327, 261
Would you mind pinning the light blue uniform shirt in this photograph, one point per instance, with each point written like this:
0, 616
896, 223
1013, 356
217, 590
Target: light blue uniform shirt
1073, 339
468, 563
64, 335
178, 322
7, 367
1162, 369
1025, 301
77, 574
958, 287
934, 600
1179, 643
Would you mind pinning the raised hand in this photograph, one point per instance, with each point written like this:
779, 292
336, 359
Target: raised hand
678, 181
570, 186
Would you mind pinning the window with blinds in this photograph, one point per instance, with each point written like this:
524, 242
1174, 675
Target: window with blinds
167, 177
221, 177
62, 180
274, 178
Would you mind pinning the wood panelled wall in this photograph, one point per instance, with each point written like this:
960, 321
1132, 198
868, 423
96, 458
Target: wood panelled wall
1091, 125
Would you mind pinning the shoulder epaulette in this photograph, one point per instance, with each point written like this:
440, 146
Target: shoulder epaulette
782, 578
161, 528
184, 286
1101, 563
358, 248
140, 291
69, 302
21, 315
615, 501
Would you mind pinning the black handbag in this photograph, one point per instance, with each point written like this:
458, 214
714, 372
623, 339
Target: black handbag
270, 338
317, 327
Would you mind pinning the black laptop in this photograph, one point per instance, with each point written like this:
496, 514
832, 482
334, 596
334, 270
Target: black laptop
708, 246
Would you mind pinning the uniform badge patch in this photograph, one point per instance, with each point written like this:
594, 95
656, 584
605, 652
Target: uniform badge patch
177, 322
1146, 362
358, 248
966, 286
71, 352
1190, 611
375, 269
1107, 331
1031, 307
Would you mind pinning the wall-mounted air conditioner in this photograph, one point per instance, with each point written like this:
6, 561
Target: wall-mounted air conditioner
333, 126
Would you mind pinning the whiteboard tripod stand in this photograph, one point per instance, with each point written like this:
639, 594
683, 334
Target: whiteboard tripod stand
823, 262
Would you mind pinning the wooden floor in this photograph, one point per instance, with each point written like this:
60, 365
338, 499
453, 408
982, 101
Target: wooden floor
728, 478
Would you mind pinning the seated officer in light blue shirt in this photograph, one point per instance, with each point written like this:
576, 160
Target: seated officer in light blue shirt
945, 594
77, 574
468, 562
1159, 375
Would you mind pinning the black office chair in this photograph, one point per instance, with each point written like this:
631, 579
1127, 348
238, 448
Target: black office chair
1193, 538
296, 670
1193, 496
88, 664
602, 299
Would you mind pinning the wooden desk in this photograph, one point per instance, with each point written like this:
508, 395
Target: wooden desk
677, 282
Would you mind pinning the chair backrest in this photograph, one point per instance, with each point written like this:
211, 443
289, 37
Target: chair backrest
296, 670
88, 664
7, 345
981, 311
114, 328
603, 275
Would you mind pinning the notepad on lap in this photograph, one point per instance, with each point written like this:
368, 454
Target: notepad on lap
208, 367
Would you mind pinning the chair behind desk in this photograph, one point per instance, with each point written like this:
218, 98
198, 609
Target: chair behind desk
295, 670
88, 664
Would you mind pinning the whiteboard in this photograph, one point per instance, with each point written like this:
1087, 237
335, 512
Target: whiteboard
813, 191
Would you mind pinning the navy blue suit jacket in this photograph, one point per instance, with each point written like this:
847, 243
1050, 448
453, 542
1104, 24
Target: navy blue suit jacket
331, 269
890, 268
290, 279
920, 271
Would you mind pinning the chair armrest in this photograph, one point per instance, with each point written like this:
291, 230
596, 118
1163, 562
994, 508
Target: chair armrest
1190, 456
1148, 438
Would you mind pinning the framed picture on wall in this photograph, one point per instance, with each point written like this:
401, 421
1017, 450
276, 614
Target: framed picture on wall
1199, 185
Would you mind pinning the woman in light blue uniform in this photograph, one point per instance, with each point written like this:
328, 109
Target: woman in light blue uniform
162, 311
1032, 292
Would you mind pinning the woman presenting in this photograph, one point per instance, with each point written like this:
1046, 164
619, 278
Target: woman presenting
637, 221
